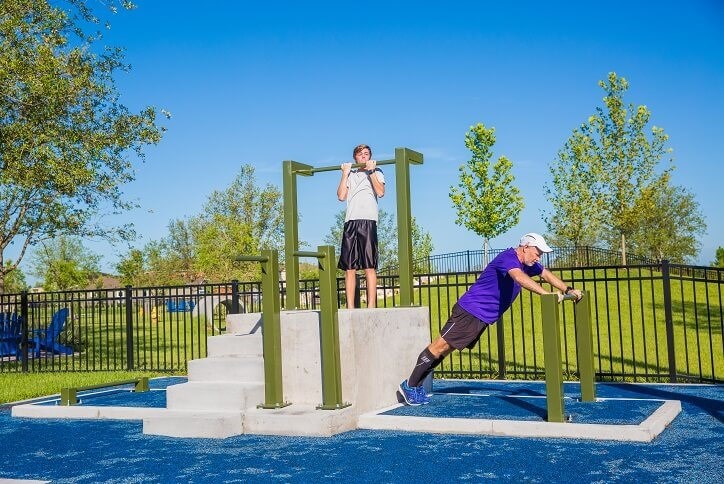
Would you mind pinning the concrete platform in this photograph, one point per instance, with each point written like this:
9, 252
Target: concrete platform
194, 423
300, 420
645, 431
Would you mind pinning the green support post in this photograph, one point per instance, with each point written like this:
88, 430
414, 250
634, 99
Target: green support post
403, 158
584, 348
271, 328
328, 329
291, 229
552, 357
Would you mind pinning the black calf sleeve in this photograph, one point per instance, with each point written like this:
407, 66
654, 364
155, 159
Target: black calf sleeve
426, 362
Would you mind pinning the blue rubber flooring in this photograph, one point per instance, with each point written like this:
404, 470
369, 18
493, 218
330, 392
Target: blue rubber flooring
689, 450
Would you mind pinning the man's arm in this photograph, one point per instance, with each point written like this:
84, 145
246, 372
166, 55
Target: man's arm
527, 282
342, 188
377, 185
556, 282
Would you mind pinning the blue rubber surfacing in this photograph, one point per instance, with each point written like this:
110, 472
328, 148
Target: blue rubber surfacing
117, 451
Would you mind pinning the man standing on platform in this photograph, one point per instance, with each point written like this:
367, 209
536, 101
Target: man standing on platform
360, 188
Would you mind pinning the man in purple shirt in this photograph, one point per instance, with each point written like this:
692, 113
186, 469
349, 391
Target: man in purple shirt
483, 304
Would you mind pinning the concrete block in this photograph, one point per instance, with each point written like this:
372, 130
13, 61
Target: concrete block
300, 420
236, 345
214, 396
227, 368
184, 423
244, 323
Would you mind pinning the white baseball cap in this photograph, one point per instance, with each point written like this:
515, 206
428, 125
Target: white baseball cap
536, 240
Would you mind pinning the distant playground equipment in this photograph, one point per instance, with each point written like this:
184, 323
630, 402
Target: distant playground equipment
180, 305
404, 157
552, 353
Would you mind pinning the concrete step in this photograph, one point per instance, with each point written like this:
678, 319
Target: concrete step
214, 396
189, 423
243, 323
227, 369
236, 344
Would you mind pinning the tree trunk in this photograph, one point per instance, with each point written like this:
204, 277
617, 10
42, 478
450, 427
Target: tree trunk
623, 249
486, 259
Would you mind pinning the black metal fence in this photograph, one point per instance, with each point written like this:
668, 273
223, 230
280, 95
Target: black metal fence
652, 322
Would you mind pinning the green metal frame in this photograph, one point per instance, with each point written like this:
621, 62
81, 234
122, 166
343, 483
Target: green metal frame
404, 157
271, 330
552, 354
69, 396
329, 328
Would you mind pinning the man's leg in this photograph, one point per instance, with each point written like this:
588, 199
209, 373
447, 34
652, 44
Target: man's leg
428, 360
371, 276
350, 286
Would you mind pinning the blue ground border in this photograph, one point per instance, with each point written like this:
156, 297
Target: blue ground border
689, 450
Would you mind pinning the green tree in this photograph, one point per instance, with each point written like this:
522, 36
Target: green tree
605, 167
64, 263
241, 220
66, 142
15, 280
719, 260
576, 215
669, 223
422, 245
132, 267
486, 200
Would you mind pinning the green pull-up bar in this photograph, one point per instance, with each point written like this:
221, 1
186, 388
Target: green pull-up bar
404, 157
329, 328
271, 332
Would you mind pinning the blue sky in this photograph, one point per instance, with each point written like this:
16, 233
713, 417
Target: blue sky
262, 82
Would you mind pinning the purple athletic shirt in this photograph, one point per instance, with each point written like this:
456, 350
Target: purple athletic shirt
494, 291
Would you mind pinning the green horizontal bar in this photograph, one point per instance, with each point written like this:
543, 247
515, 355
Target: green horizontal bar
68, 396
301, 253
337, 167
251, 258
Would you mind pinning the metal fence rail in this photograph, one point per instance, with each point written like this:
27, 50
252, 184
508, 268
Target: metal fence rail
651, 322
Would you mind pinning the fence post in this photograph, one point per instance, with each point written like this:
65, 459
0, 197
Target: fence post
24, 328
235, 296
669, 319
129, 328
584, 348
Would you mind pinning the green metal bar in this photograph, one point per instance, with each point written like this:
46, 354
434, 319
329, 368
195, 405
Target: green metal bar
250, 258
312, 171
303, 253
552, 357
291, 230
69, 396
403, 158
584, 348
329, 332
271, 331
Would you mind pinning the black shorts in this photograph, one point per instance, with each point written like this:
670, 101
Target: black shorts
462, 330
359, 245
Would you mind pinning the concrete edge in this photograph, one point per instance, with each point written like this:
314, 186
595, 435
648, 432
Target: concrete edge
85, 412
300, 420
643, 432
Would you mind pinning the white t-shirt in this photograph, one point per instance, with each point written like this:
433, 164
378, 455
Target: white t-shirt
361, 197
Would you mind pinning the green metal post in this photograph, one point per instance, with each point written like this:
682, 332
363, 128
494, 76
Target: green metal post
329, 331
271, 327
403, 158
552, 357
584, 348
290, 169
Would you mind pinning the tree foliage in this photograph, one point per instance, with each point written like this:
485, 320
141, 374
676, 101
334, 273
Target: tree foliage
15, 280
486, 200
719, 257
64, 263
242, 219
607, 185
66, 142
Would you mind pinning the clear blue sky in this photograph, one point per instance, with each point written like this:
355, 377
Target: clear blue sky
262, 82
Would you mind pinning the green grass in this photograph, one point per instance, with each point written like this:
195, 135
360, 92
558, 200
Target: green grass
22, 386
